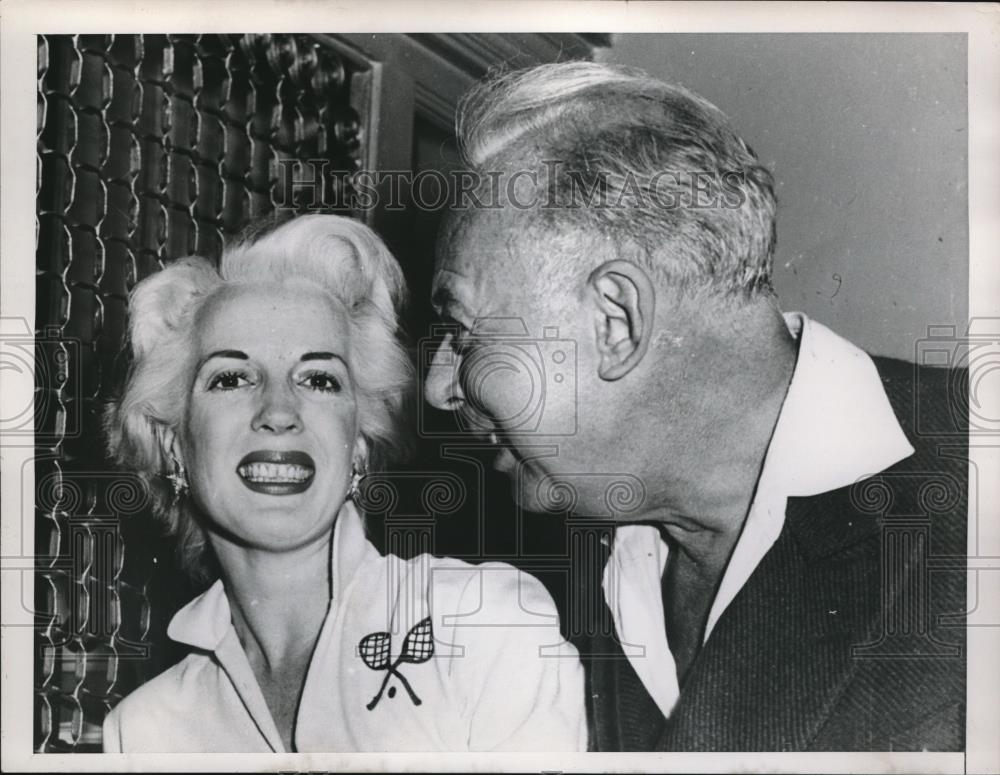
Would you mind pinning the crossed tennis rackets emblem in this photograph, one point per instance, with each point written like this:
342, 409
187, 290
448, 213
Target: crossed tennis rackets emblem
418, 647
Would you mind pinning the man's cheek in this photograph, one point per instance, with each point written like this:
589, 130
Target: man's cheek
510, 396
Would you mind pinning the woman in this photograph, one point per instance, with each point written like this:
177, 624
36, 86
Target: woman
259, 392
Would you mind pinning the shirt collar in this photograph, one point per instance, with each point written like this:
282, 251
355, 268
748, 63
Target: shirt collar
836, 425
206, 620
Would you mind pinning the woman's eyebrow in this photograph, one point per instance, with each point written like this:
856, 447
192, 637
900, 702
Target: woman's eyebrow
321, 355
238, 354
324, 355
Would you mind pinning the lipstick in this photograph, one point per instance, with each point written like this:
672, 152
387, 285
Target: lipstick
277, 472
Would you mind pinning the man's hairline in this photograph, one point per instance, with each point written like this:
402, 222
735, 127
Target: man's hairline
459, 222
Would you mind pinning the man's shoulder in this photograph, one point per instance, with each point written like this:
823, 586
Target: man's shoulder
932, 406
930, 402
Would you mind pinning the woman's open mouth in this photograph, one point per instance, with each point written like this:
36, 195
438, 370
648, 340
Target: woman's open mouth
274, 472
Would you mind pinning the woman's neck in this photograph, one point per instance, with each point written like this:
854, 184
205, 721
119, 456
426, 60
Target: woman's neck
278, 599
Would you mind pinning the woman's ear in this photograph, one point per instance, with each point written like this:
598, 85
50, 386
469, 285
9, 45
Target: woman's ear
360, 456
624, 301
170, 446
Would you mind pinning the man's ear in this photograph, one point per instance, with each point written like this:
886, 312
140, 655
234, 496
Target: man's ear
625, 303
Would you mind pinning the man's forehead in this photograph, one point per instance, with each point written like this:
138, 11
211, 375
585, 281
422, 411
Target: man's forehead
472, 240
472, 253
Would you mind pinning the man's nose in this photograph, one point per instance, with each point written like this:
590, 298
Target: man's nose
278, 412
441, 383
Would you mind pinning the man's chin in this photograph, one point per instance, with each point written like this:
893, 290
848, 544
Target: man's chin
532, 488
526, 497
523, 480
540, 492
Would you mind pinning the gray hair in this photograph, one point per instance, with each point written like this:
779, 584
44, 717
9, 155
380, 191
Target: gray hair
342, 257
628, 152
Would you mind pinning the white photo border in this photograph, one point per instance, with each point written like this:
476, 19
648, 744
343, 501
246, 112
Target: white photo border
23, 19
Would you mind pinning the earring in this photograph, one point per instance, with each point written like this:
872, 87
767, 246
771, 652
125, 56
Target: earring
356, 476
178, 478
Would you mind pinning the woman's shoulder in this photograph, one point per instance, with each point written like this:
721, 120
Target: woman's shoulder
492, 591
158, 703
517, 681
485, 604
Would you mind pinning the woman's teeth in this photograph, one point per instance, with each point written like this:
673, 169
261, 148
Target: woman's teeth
274, 472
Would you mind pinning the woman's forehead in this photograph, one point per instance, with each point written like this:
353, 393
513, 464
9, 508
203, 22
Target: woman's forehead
292, 315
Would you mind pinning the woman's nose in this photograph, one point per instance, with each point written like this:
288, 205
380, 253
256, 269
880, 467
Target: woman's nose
278, 413
441, 383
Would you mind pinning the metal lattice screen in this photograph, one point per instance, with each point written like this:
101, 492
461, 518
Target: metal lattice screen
150, 147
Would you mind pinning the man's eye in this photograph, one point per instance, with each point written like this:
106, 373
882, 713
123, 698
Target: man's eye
461, 343
322, 381
228, 380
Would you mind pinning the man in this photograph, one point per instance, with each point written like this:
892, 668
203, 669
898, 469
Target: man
771, 590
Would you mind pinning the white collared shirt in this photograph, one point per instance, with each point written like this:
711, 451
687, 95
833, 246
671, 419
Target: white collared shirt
500, 677
834, 399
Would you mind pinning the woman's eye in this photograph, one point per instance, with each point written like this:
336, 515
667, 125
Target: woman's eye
322, 381
228, 380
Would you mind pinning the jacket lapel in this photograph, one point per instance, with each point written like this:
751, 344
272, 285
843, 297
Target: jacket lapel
781, 652
621, 714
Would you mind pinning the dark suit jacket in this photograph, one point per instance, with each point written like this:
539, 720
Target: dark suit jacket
849, 635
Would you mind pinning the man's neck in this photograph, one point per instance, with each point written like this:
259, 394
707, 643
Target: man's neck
704, 496
709, 499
